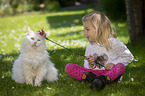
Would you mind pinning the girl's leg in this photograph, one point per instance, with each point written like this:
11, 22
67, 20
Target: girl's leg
116, 71
75, 71
107, 76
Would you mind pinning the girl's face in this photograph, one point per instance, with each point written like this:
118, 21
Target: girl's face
89, 30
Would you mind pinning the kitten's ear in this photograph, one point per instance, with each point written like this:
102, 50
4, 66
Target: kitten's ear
91, 56
29, 30
105, 57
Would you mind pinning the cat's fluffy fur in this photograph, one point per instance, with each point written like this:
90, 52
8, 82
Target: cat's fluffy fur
33, 64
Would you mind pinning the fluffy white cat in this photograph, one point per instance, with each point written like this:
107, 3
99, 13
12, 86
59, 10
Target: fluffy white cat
33, 64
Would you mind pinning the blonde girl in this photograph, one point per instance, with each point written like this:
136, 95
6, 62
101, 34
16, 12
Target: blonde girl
103, 44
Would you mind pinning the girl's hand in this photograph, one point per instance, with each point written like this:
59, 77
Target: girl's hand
91, 60
109, 66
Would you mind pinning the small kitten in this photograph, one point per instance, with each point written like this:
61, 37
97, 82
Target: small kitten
33, 64
97, 61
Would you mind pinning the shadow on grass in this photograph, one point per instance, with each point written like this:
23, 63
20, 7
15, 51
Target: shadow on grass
72, 35
121, 28
61, 57
69, 34
66, 20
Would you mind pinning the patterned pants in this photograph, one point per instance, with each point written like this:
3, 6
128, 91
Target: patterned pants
75, 71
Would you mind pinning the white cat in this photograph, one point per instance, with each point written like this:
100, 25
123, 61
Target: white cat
33, 64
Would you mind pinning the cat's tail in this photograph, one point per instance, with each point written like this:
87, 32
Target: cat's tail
52, 73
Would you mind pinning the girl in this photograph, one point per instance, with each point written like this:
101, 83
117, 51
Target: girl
105, 49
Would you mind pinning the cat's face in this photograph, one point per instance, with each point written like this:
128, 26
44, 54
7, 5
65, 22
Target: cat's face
34, 40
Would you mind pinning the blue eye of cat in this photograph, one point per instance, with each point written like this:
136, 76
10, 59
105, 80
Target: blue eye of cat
32, 38
38, 39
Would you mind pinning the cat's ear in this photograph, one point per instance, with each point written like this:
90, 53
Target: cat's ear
29, 30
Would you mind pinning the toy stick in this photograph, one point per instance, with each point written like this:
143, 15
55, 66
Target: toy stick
43, 34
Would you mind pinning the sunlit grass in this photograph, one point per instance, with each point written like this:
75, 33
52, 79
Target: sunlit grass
64, 27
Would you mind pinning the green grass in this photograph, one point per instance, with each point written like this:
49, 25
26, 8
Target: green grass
64, 27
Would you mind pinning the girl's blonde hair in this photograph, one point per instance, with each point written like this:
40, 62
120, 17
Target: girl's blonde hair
102, 24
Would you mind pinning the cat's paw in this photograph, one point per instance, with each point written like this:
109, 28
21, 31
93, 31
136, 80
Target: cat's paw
37, 84
29, 82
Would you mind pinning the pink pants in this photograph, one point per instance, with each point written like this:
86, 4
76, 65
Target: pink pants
76, 71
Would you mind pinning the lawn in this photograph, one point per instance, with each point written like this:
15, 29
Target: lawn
64, 27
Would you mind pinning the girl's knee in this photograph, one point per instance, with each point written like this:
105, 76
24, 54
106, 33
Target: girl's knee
121, 67
69, 66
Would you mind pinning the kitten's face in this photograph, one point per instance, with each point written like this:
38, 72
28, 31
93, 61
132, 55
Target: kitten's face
34, 40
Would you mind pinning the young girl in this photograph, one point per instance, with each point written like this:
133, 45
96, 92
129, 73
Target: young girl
105, 49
